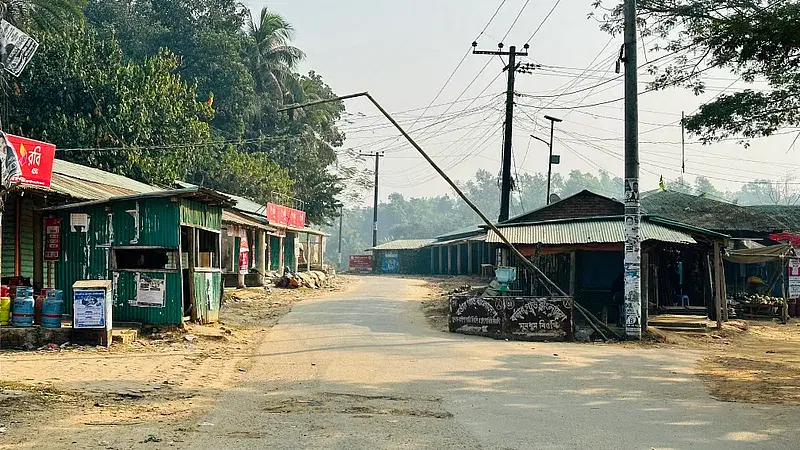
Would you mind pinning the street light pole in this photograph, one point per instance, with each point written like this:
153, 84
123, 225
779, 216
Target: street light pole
553, 121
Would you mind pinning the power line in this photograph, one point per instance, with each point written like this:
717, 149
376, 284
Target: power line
555, 5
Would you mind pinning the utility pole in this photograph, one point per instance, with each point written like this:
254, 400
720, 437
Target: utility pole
341, 216
512, 67
377, 156
683, 144
635, 311
553, 121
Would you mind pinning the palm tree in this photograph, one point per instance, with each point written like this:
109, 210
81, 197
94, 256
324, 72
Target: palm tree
49, 15
272, 59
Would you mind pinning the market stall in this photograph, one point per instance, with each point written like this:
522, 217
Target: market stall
760, 287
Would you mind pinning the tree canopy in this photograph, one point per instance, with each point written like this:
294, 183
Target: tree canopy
753, 39
166, 90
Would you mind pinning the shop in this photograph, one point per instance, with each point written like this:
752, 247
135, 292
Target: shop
162, 251
764, 282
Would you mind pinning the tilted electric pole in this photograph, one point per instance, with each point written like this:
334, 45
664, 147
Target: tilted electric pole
377, 156
634, 308
506, 186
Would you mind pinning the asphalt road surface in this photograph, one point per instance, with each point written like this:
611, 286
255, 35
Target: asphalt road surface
364, 370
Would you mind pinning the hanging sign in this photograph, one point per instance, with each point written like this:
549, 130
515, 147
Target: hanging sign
35, 160
52, 239
794, 278
283, 215
244, 255
19, 48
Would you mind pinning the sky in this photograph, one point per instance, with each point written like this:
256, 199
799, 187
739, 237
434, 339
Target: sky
405, 52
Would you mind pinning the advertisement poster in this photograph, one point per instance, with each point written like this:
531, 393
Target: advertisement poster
244, 256
794, 278
283, 215
35, 160
20, 48
149, 291
90, 308
52, 239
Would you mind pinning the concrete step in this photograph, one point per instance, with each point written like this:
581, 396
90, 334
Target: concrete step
689, 330
677, 324
124, 335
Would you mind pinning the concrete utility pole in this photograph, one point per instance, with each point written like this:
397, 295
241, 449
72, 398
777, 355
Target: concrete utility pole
683, 143
341, 216
377, 156
505, 196
633, 248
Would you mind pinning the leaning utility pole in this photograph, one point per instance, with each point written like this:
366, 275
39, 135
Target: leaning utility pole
634, 308
377, 156
505, 196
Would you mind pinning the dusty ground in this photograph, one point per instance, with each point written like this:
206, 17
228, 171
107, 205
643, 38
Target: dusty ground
168, 376
435, 305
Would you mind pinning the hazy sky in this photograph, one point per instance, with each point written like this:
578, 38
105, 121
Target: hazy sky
404, 51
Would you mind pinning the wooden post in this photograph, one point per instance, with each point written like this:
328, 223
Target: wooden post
470, 262
458, 259
308, 252
717, 285
440, 271
237, 251
449, 259
281, 258
724, 288
433, 261
192, 235
262, 256
573, 273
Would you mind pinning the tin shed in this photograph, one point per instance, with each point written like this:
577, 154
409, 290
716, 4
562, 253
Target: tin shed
161, 250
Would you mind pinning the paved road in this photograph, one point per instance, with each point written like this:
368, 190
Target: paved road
363, 370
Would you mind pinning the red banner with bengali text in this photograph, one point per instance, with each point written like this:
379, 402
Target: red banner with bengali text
283, 215
35, 160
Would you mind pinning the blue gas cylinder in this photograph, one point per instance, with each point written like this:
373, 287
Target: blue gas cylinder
22, 311
52, 308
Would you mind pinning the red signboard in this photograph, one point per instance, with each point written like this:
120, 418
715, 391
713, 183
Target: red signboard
283, 215
360, 263
52, 239
35, 160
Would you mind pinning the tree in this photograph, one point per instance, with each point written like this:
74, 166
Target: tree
753, 39
80, 91
766, 192
41, 15
272, 59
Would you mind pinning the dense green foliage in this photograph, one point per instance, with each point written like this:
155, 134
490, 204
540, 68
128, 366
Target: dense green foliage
753, 39
165, 90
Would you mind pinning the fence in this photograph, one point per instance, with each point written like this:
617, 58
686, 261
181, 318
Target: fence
520, 318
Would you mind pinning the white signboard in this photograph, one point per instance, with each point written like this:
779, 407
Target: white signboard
149, 291
89, 308
79, 222
20, 48
794, 278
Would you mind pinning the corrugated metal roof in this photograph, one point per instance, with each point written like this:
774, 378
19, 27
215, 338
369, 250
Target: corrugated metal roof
593, 231
462, 240
231, 216
198, 193
87, 182
242, 204
403, 244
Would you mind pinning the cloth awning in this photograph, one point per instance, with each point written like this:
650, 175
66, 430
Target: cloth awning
760, 255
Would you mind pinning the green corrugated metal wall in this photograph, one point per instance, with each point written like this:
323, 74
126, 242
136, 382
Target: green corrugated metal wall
125, 292
288, 251
26, 237
274, 252
87, 255
9, 227
201, 215
207, 293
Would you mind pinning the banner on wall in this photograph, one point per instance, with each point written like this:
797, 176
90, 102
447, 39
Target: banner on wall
35, 160
283, 215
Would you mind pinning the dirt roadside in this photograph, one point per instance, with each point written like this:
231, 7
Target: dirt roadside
747, 361
142, 393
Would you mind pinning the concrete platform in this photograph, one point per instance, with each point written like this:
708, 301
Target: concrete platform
29, 338
679, 322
